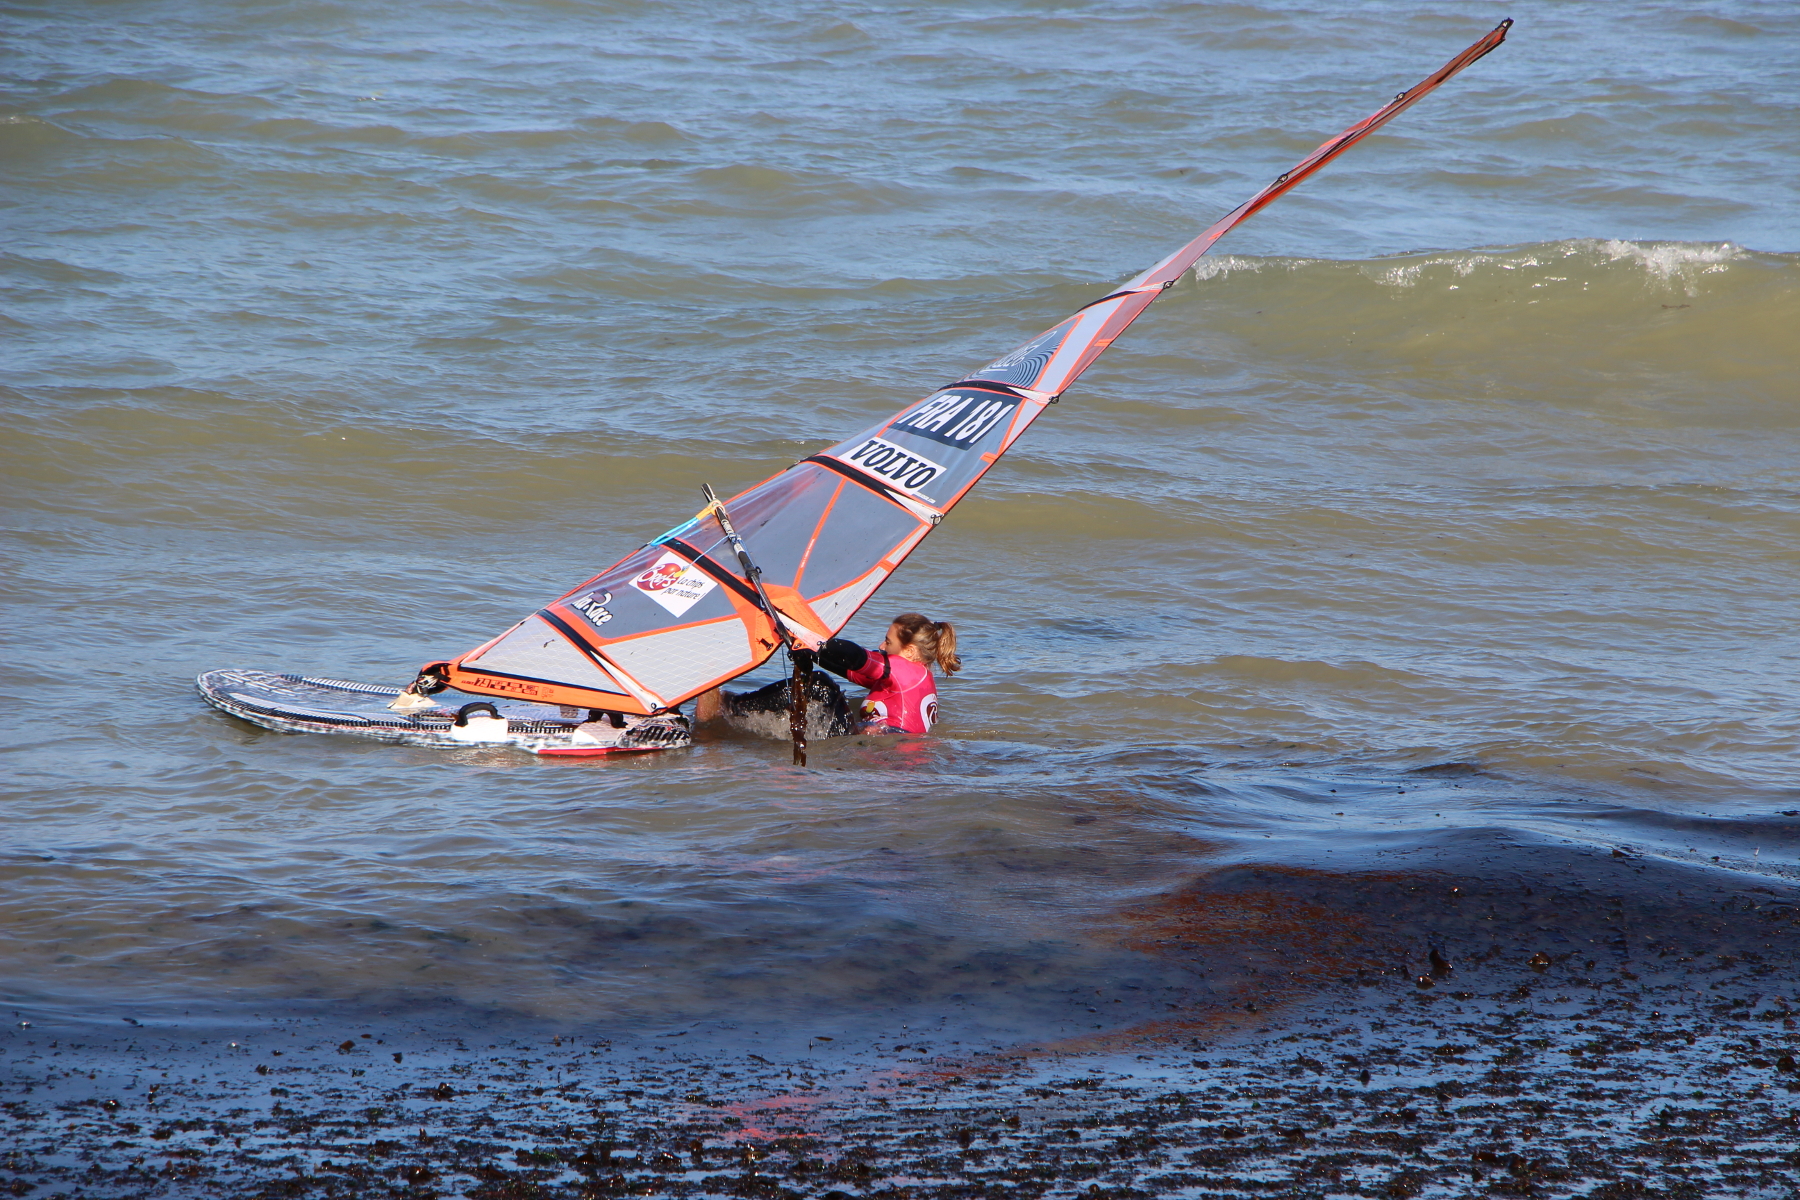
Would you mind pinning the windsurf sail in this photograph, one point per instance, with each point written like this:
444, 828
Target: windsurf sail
675, 618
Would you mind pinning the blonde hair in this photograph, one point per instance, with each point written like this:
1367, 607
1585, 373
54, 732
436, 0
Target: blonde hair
935, 640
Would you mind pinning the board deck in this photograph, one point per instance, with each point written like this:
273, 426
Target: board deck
304, 704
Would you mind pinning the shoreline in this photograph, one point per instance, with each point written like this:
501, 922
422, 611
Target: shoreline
1505, 1075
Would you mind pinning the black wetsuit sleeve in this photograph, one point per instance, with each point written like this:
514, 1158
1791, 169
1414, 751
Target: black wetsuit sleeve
841, 656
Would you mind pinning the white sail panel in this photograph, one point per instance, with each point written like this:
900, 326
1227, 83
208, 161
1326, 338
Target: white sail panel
837, 608
535, 650
682, 661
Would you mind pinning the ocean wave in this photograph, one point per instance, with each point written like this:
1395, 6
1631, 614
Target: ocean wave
1650, 332
1682, 264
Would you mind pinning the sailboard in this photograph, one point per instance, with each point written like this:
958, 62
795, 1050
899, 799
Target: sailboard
675, 617
304, 704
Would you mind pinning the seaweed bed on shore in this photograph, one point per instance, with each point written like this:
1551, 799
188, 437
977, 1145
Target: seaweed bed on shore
1628, 1038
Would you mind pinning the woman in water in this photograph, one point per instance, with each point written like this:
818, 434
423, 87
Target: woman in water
902, 696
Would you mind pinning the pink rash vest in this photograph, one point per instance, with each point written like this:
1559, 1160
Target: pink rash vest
902, 695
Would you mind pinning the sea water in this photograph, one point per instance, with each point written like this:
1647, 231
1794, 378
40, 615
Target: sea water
1444, 518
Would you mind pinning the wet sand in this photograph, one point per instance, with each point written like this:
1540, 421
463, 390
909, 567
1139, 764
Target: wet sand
1418, 1034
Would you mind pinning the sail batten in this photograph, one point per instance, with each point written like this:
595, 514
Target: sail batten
674, 618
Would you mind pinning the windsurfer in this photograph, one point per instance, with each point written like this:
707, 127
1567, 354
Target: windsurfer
902, 694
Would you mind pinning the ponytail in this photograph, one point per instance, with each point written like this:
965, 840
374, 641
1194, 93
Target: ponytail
935, 640
946, 648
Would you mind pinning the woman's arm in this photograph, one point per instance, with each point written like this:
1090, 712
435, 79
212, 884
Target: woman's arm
841, 656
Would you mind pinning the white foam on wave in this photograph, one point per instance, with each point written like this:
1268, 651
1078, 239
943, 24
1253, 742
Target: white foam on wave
1462, 262
1222, 265
1676, 264
1673, 262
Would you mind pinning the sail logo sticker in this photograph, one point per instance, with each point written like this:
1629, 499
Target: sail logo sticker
905, 470
594, 608
957, 419
673, 583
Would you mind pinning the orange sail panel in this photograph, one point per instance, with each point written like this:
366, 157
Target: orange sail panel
675, 618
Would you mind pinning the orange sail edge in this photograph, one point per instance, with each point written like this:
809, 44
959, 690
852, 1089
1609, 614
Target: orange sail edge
761, 642
487, 683
542, 691
792, 605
